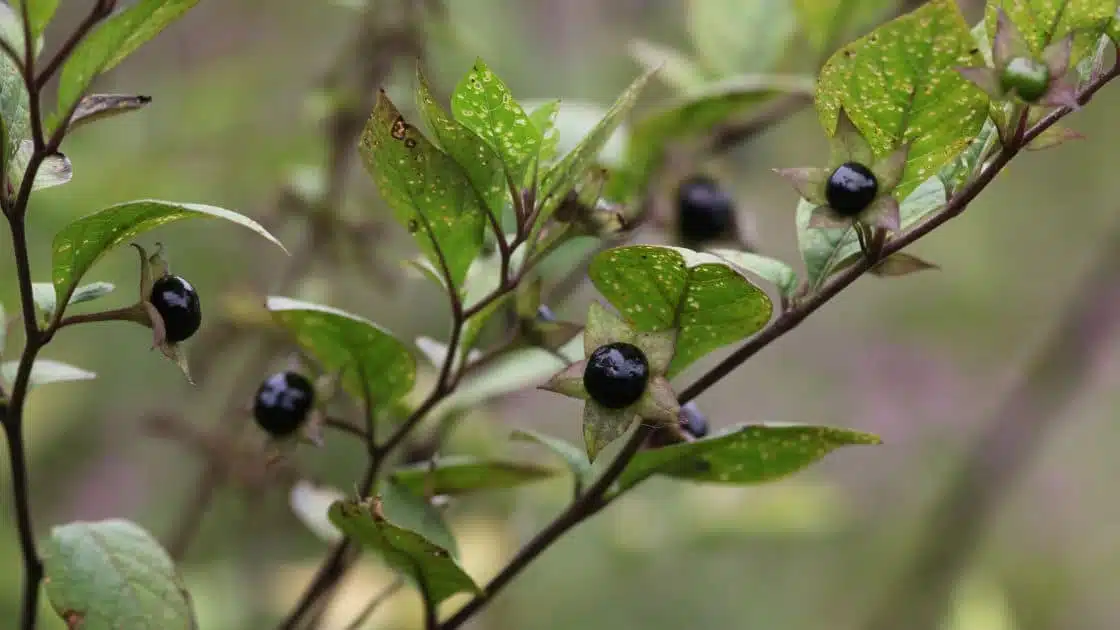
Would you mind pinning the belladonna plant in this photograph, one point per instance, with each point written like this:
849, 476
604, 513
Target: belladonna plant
622, 377
856, 189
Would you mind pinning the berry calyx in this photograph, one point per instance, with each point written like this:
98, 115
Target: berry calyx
851, 188
283, 402
178, 305
616, 375
1026, 77
705, 211
694, 422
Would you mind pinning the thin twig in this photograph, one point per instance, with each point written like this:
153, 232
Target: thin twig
1009, 441
375, 603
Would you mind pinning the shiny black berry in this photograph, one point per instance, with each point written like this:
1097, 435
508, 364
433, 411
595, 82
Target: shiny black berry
283, 402
705, 211
851, 188
616, 375
177, 303
693, 421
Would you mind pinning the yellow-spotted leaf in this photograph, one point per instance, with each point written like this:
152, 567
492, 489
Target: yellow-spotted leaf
750, 454
351, 345
483, 104
655, 288
1042, 22
429, 193
899, 84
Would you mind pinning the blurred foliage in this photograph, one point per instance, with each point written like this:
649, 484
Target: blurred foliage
233, 113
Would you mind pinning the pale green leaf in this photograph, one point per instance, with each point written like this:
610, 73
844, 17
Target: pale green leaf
676, 68
39, 13
543, 116
429, 193
565, 174
460, 474
96, 107
900, 84
772, 270
113, 574
482, 103
110, 43
345, 343
734, 36
84, 241
570, 454
1042, 22
54, 170
14, 103
411, 509
748, 455
827, 22
46, 371
311, 503
46, 299
429, 565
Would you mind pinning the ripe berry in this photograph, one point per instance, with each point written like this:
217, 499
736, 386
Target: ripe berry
851, 188
1027, 77
694, 422
616, 375
282, 403
177, 303
705, 211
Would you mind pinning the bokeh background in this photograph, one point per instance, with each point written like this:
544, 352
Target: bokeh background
922, 361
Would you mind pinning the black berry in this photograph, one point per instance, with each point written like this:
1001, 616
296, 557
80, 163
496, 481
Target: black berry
693, 421
616, 375
705, 211
283, 402
177, 303
851, 188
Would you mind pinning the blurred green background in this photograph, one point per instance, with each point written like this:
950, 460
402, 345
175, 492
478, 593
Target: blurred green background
919, 361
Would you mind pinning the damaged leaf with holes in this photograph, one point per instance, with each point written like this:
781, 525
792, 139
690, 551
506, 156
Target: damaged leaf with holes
900, 85
655, 288
429, 193
750, 454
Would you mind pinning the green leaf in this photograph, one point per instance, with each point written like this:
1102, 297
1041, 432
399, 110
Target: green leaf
46, 371
772, 270
747, 455
39, 13
967, 164
113, 574
462, 474
46, 300
412, 510
900, 84
741, 35
54, 170
694, 114
677, 69
340, 341
428, 192
543, 118
14, 102
826, 22
1042, 22
484, 104
565, 174
572, 455
826, 250
428, 564
116, 38
480, 163
656, 288
83, 242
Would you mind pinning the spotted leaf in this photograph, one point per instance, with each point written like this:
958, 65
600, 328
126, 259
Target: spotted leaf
655, 288
480, 163
483, 104
1042, 22
750, 454
899, 84
429, 193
